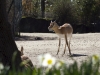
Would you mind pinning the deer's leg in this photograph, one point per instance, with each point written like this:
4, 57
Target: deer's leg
70, 40
59, 45
67, 44
64, 49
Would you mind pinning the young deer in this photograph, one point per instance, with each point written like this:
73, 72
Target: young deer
63, 31
25, 60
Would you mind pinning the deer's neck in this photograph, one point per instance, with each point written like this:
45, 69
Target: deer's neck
56, 30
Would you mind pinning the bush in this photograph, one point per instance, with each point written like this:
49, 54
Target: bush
63, 11
49, 65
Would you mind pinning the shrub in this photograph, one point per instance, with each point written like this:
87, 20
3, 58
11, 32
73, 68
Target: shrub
63, 11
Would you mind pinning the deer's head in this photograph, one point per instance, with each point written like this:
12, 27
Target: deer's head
52, 26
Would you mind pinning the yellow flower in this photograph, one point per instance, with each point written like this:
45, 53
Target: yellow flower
48, 61
95, 59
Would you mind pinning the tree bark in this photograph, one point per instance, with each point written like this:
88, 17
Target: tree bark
43, 8
7, 43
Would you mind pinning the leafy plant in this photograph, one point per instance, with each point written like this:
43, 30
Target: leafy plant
88, 10
63, 10
49, 65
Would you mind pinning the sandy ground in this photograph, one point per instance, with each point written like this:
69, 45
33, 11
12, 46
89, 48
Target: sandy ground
82, 46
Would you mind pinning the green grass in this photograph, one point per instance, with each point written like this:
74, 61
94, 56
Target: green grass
90, 67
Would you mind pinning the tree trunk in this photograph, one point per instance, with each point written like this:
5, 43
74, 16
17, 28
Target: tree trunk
43, 8
7, 43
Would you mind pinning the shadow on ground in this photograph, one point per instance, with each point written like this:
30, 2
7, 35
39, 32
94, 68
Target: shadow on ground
78, 55
33, 38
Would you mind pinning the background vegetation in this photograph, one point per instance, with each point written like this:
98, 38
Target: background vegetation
68, 10
84, 15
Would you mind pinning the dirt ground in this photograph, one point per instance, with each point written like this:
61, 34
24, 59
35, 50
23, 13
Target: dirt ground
82, 46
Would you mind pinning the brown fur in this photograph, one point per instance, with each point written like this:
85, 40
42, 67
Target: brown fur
65, 30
